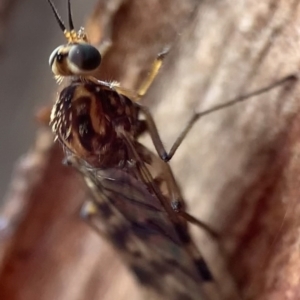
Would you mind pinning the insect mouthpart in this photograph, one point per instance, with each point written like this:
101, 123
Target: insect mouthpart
74, 59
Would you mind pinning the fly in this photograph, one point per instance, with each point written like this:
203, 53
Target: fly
136, 203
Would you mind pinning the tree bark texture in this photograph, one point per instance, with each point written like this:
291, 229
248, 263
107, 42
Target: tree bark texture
238, 168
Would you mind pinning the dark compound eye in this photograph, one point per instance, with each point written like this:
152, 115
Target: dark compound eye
85, 57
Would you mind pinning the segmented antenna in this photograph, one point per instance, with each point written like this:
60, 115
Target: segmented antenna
71, 25
57, 16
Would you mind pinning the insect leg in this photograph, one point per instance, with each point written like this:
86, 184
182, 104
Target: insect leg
131, 94
177, 202
142, 90
181, 230
156, 139
137, 95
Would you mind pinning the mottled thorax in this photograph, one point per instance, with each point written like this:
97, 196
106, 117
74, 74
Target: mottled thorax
86, 118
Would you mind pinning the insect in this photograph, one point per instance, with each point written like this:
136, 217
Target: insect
137, 210
98, 126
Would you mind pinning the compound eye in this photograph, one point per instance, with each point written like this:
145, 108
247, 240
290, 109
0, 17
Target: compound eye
85, 57
53, 55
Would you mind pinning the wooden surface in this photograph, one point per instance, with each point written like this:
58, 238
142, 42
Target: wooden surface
238, 168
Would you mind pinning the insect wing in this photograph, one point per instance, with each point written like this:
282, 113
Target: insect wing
133, 220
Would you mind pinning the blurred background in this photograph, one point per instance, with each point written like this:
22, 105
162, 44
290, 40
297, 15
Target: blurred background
238, 168
28, 36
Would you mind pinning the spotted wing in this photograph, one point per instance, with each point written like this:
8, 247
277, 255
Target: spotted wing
133, 220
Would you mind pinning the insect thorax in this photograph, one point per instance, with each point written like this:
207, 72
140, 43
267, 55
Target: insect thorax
86, 119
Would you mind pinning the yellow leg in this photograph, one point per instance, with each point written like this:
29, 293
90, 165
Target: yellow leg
142, 90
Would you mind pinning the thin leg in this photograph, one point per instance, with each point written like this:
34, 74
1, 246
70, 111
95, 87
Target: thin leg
136, 95
142, 90
177, 202
152, 129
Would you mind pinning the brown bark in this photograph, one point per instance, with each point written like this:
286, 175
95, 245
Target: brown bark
237, 168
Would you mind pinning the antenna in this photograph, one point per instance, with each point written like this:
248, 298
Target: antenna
57, 16
71, 25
